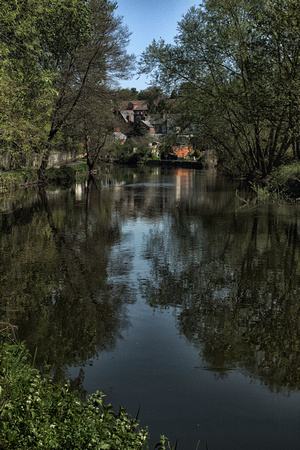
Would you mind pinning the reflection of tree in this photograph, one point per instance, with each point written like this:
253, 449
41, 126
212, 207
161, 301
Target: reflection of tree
234, 280
55, 277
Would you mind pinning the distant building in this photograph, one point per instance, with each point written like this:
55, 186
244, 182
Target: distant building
118, 136
134, 110
156, 125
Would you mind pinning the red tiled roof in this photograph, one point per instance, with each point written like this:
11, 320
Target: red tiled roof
137, 105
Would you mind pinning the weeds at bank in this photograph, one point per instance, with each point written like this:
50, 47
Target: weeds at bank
282, 184
37, 413
17, 178
63, 176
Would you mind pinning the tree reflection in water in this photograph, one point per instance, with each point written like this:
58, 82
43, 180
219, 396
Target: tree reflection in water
232, 274
235, 288
63, 303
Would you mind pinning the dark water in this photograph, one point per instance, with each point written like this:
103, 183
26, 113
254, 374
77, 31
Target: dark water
169, 293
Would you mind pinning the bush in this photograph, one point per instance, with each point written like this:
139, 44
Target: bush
12, 179
198, 155
284, 183
36, 413
63, 176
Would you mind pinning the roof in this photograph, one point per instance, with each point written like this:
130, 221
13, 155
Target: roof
134, 105
147, 123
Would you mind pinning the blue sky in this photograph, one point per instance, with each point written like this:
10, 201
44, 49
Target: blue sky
148, 20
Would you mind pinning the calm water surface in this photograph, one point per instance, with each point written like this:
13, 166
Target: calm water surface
168, 292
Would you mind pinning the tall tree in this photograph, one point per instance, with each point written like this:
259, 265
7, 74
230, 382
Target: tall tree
237, 63
26, 90
57, 58
86, 69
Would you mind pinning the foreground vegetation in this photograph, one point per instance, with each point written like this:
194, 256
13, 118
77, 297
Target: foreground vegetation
37, 413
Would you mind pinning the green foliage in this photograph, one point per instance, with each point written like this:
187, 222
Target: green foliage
283, 183
131, 153
128, 94
137, 129
11, 180
26, 89
262, 192
236, 67
198, 154
63, 176
63, 27
155, 99
37, 413
165, 146
121, 150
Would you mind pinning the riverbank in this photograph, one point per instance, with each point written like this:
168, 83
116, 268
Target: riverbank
283, 184
70, 171
35, 412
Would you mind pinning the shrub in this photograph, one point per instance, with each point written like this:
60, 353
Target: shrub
37, 413
283, 183
63, 176
12, 179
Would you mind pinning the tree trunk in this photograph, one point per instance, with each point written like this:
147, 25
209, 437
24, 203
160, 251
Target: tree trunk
43, 167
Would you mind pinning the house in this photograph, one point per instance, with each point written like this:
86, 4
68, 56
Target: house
118, 136
137, 111
134, 110
163, 125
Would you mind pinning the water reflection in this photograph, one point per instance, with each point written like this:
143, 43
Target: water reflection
234, 279
99, 273
54, 282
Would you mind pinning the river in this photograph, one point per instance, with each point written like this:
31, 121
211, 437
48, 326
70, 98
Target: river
173, 291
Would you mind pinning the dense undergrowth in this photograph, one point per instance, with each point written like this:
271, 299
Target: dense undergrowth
36, 413
283, 184
63, 176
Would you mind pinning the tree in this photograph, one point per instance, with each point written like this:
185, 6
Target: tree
152, 95
237, 64
86, 68
96, 121
56, 55
128, 94
26, 89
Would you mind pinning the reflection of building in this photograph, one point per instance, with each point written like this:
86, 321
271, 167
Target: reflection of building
185, 180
